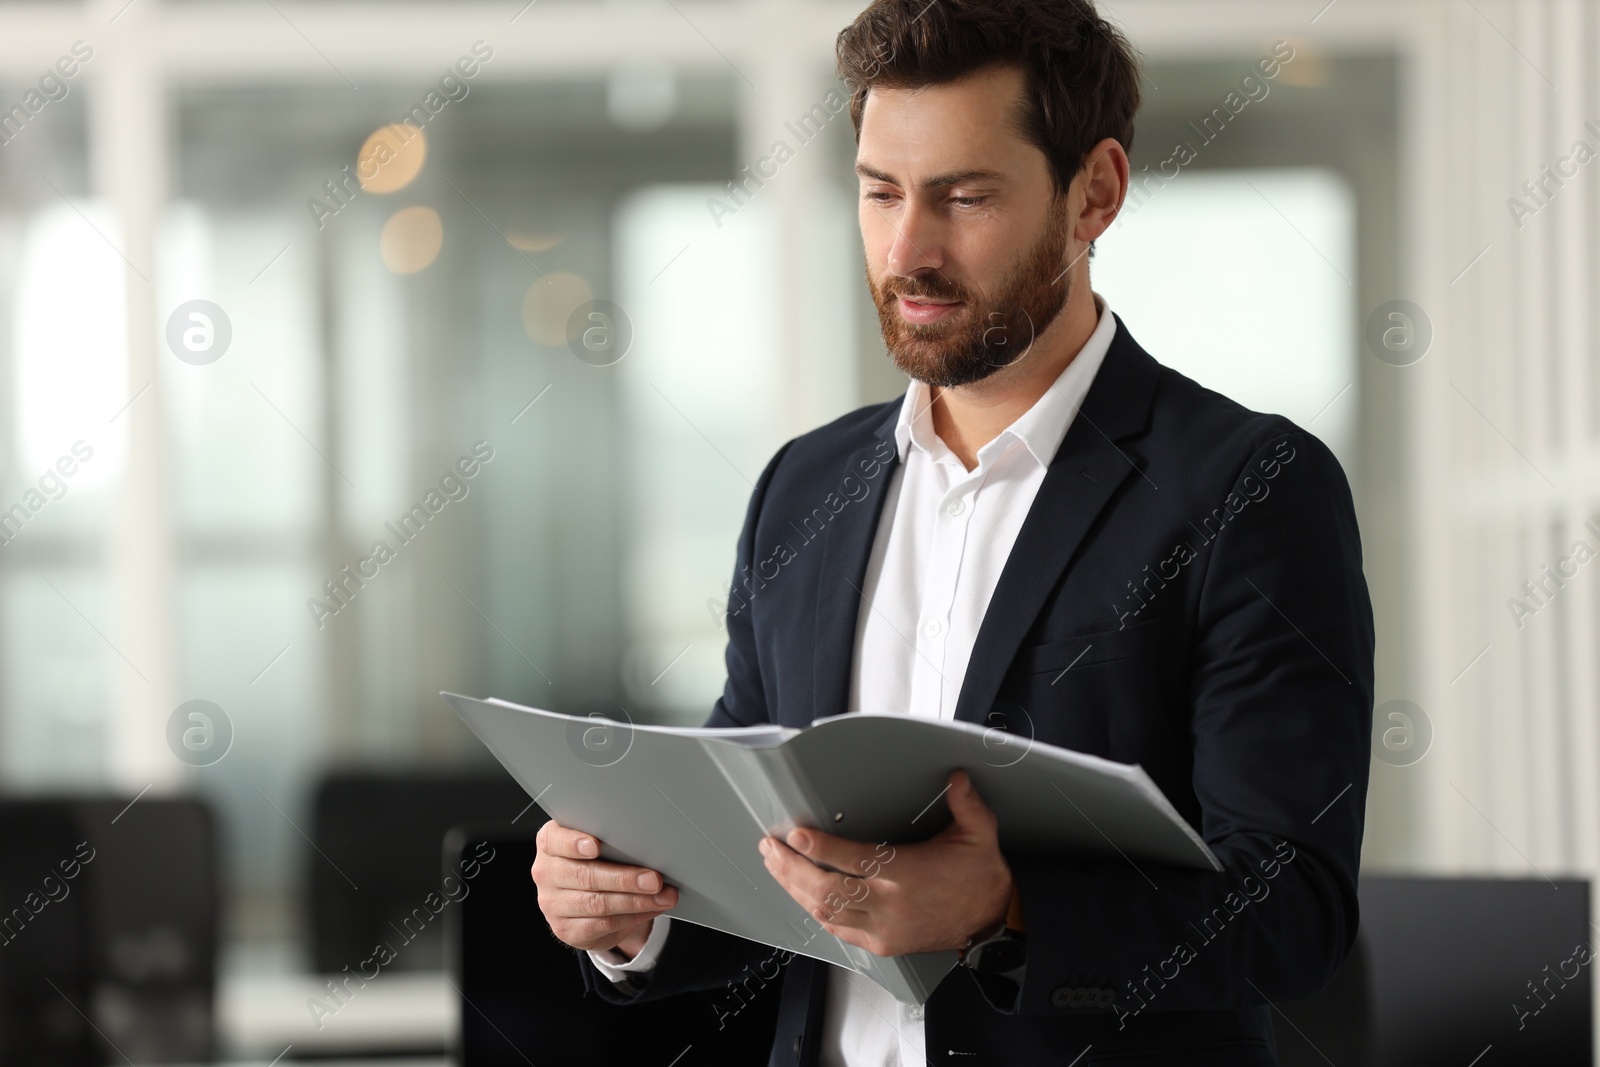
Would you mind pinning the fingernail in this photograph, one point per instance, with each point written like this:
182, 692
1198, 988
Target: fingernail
799, 842
586, 846
647, 882
663, 897
763, 846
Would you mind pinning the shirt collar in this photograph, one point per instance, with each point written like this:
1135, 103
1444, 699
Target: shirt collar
1040, 429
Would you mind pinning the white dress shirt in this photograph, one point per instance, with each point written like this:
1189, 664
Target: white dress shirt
942, 541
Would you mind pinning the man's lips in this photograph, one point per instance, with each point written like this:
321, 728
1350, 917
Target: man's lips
922, 310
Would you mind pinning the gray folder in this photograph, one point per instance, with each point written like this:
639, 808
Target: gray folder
693, 803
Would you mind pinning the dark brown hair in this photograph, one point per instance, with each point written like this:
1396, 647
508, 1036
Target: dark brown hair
1081, 75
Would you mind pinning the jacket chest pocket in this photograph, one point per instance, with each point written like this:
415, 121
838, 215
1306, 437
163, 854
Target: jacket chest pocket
1088, 649
1107, 693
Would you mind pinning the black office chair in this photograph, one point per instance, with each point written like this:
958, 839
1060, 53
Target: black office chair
1437, 967
380, 831
44, 968
111, 936
522, 996
1447, 969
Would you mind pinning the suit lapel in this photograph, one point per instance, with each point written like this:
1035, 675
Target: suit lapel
846, 547
1086, 472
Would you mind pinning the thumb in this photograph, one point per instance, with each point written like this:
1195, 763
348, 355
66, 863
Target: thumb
967, 808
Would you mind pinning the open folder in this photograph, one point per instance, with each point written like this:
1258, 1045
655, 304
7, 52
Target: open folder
693, 803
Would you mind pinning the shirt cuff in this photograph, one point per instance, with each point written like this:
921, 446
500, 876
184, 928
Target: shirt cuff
611, 964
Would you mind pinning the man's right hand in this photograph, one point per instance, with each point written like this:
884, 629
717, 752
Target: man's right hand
592, 903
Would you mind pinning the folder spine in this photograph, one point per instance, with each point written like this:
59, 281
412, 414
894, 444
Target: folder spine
769, 783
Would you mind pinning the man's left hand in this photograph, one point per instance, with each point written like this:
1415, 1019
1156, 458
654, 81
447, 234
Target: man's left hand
907, 898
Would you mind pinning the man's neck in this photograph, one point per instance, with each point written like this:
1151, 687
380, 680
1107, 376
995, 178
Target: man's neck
967, 417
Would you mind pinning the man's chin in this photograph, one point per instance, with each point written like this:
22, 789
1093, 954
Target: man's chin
945, 374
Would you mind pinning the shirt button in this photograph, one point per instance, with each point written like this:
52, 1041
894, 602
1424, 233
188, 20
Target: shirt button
933, 628
916, 1013
956, 507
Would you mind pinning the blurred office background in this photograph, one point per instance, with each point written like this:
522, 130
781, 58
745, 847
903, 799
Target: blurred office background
377, 339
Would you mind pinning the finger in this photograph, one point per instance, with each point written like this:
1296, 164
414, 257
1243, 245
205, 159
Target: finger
811, 887
851, 935
577, 903
801, 878
828, 850
603, 875
575, 845
966, 806
835, 919
557, 840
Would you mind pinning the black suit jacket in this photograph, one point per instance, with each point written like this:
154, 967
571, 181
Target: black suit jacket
1197, 567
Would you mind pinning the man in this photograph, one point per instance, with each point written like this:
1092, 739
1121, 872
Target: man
1049, 533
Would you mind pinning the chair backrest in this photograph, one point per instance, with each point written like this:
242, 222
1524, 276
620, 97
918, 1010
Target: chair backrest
380, 831
110, 931
1443, 969
1446, 969
522, 996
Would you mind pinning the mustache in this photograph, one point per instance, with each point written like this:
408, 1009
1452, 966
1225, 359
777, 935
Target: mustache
895, 292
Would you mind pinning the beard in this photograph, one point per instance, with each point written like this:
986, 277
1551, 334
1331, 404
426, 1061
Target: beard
983, 335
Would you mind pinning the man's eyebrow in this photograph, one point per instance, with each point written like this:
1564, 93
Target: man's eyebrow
938, 181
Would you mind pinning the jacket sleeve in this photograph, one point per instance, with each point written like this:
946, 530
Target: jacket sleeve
696, 957
1280, 714
743, 701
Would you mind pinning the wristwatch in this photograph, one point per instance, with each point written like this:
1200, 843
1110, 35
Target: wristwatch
1004, 952
1002, 949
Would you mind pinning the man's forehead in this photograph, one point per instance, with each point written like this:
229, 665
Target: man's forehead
980, 96
955, 132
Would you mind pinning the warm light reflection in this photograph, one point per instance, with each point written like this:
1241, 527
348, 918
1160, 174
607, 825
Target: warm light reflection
1310, 67
411, 239
524, 241
391, 158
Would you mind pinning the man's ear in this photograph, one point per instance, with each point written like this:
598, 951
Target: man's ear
1103, 181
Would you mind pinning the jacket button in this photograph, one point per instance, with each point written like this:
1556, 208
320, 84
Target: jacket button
1061, 995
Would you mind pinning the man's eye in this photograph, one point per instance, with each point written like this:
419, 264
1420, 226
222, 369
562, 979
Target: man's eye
959, 201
